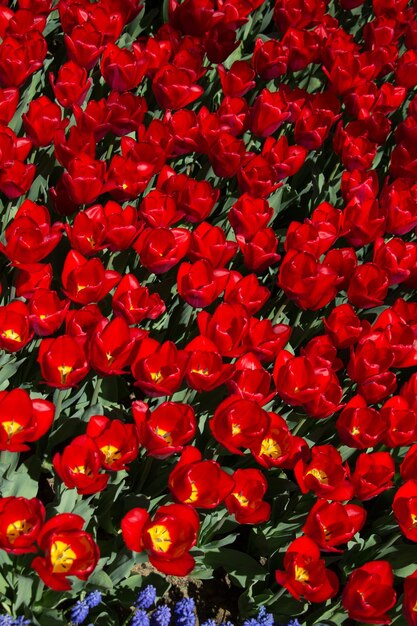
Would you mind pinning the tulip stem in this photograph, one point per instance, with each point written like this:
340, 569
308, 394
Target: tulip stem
277, 317
96, 393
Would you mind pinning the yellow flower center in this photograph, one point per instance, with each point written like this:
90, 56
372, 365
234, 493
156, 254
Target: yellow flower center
64, 370
160, 537
355, 430
300, 574
236, 429
319, 474
243, 501
165, 434
17, 529
204, 372
10, 333
327, 534
157, 377
111, 453
81, 469
11, 429
270, 448
193, 495
62, 557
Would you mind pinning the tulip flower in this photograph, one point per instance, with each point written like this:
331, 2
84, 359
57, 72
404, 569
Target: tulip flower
167, 538
305, 574
23, 420
198, 482
68, 551
166, 429
246, 500
369, 594
21, 521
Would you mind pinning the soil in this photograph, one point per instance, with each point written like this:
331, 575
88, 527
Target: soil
215, 599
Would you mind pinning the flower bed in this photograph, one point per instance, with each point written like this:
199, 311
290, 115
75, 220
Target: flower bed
207, 325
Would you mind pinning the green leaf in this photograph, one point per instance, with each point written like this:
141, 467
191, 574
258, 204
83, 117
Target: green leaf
24, 591
100, 579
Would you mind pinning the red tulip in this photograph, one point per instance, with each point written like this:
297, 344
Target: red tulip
85, 281
239, 423
79, 466
47, 312
325, 474
246, 500
9, 99
373, 474
68, 551
21, 57
123, 69
249, 214
368, 286
199, 284
197, 199
84, 45
227, 328
360, 426
250, 380
33, 276
122, 226
63, 362
198, 482
310, 284
238, 80
71, 85
344, 327
330, 524
269, 58
30, 236
167, 538
209, 243
369, 593
117, 441
42, 120
84, 180
402, 422
23, 420
162, 248
408, 467
175, 88
134, 303
159, 369
126, 112
21, 521
279, 448
112, 346
166, 429
305, 574
405, 509
205, 368
15, 330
